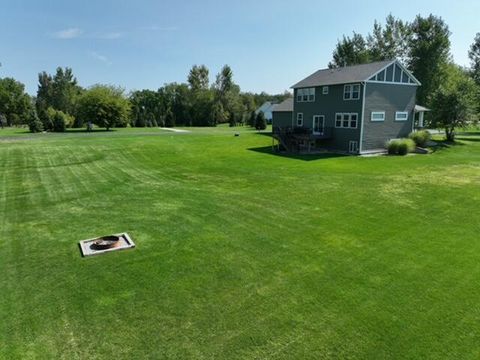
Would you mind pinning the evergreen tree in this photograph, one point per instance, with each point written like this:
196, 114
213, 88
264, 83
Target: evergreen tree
252, 119
260, 121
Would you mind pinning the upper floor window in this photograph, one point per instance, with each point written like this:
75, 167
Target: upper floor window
346, 120
306, 95
401, 116
351, 92
325, 90
299, 119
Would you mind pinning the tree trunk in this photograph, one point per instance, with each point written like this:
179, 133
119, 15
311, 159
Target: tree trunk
450, 133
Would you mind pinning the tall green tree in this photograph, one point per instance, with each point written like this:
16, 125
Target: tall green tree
106, 106
65, 90
389, 41
15, 103
146, 108
227, 96
60, 92
44, 98
224, 80
428, 53
198, 78
474, 55
453, 103
350, 51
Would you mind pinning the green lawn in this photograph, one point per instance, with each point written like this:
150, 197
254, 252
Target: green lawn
241, 254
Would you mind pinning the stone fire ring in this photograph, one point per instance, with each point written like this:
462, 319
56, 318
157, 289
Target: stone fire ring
104, 244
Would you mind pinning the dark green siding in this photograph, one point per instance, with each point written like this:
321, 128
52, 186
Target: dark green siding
389, 98
328, 105
282, 119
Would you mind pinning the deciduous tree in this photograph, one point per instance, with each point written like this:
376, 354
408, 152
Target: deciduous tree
15, 103
474, 55
453, 103
106, 106
429, 52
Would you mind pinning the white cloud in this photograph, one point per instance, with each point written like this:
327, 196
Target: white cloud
100, 57
70, 33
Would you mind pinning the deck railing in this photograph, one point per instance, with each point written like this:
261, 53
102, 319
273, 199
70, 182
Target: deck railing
297, 138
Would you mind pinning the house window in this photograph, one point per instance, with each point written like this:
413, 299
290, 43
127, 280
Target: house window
325, 90
338, 120
353, 147
378, 116
401, 116
318, 124
351, 92
300, 119
306, 95
346, 120
353, 121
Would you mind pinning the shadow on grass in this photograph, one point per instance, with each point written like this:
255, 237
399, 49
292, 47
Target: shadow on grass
264, 133
305, 157
82, 130
444, 145
468, 138
468, 133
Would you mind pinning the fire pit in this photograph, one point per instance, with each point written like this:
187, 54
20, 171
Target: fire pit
105, 244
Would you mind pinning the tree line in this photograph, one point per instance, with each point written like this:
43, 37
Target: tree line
423, 45
62, 103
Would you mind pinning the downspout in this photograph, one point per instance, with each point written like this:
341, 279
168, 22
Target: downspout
360, 148
293, 108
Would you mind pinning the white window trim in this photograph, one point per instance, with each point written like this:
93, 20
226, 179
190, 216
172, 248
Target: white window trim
349, 121
397, 113
300, 119
325, 90
351, 92
377, 113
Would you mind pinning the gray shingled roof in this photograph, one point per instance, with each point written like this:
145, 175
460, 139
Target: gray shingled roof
284, 106
344, 75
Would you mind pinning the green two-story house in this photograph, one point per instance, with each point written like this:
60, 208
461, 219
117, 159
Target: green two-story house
354, 109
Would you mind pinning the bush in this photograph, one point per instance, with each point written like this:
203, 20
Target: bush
400, 146
392, 147
59, 120
34, 123
421, 138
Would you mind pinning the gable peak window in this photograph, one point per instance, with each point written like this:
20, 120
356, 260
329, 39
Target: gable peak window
351, 92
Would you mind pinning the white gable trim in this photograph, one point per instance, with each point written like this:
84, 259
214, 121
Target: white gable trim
404, 69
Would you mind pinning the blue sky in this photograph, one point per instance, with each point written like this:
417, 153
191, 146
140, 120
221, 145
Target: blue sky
270, 44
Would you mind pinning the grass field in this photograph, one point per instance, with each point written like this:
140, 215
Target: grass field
241, 254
